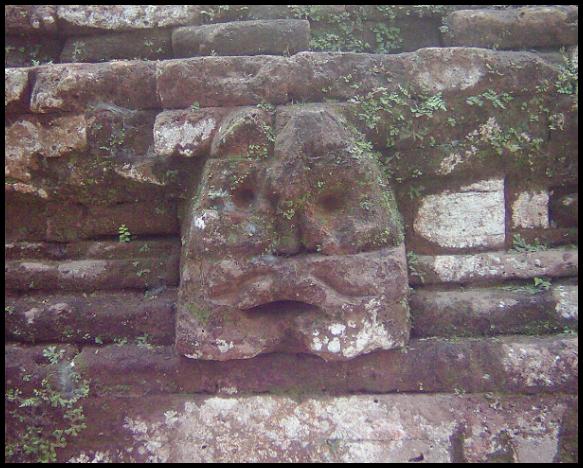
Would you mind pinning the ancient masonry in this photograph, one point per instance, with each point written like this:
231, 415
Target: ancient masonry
291, 233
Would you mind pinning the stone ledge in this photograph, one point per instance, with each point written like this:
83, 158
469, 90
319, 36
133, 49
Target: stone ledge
106, 316
493, 311
493, 266
360, 428
515, 28
514, 364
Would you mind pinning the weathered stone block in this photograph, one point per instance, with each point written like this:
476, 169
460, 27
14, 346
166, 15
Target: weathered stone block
89, 18
143, 45
473, 217
66, 88
349, 429
106, 316
491, 311
36, 19
242, 38
31, 50
186, 133
20, 206
537, 26
31, 137
16, 90
564, 207
567, 303
95, 271
494, 266
530, 209
275, 244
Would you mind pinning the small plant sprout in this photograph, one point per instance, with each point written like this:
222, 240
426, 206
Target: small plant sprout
124, 233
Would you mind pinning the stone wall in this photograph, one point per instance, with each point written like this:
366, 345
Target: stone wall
291, 233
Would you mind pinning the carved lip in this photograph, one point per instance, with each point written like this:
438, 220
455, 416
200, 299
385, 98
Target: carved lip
314, 279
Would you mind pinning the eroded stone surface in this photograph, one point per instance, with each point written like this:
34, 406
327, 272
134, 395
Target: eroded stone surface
273, 227
495, 266
71, 87
242, 38
15, 90
120, 316
30, 19
537, 26
470, 218
125, 17
29, 137
531, 210
567, 303
361, 428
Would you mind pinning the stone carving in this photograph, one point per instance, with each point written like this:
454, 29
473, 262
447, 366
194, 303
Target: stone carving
292, 243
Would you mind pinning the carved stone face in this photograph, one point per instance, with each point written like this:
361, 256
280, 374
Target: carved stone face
292, 243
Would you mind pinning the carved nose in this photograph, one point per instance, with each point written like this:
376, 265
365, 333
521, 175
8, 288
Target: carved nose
288, 239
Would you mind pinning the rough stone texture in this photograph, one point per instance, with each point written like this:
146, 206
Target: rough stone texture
36, 19
242, 38
544, 26
95, 269
71, 87
564, 207
87, 18
494, 266
470, 218
101, 316
69, 223
24, 51
567, 303
285, 228
144, 45
489, 311
15, 90
502, 364
30, 138
360, 428
186, 133
248, 81
531, 210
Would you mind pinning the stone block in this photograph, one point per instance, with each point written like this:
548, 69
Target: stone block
494, 266
109, 317
150, 44
31, 138
530, 209
488, 311
473, 217
16, 90
31, 50
91, 18
27, 19
261, 37
344, 429
186, 133
567, 303
564, 207
72, 87
514, 28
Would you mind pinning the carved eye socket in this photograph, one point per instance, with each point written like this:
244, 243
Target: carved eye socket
243, 197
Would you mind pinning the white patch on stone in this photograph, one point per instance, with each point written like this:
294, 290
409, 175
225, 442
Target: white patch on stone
472, 217
316, 344
334, 345
531, 210
183, 139
200, 221
224, 346
31, 315
337, 329
567, 302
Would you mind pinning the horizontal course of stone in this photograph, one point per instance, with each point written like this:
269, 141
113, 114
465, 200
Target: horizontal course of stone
84, 33
494, 266
92, 265
508, 364
361, 428
110, 316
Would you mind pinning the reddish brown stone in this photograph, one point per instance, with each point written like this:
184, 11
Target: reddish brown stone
16, 90
242, 38
71, 87
280, 253
513, 28
39, 19
102, 316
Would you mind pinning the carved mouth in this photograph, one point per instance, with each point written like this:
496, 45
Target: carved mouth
280, 309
